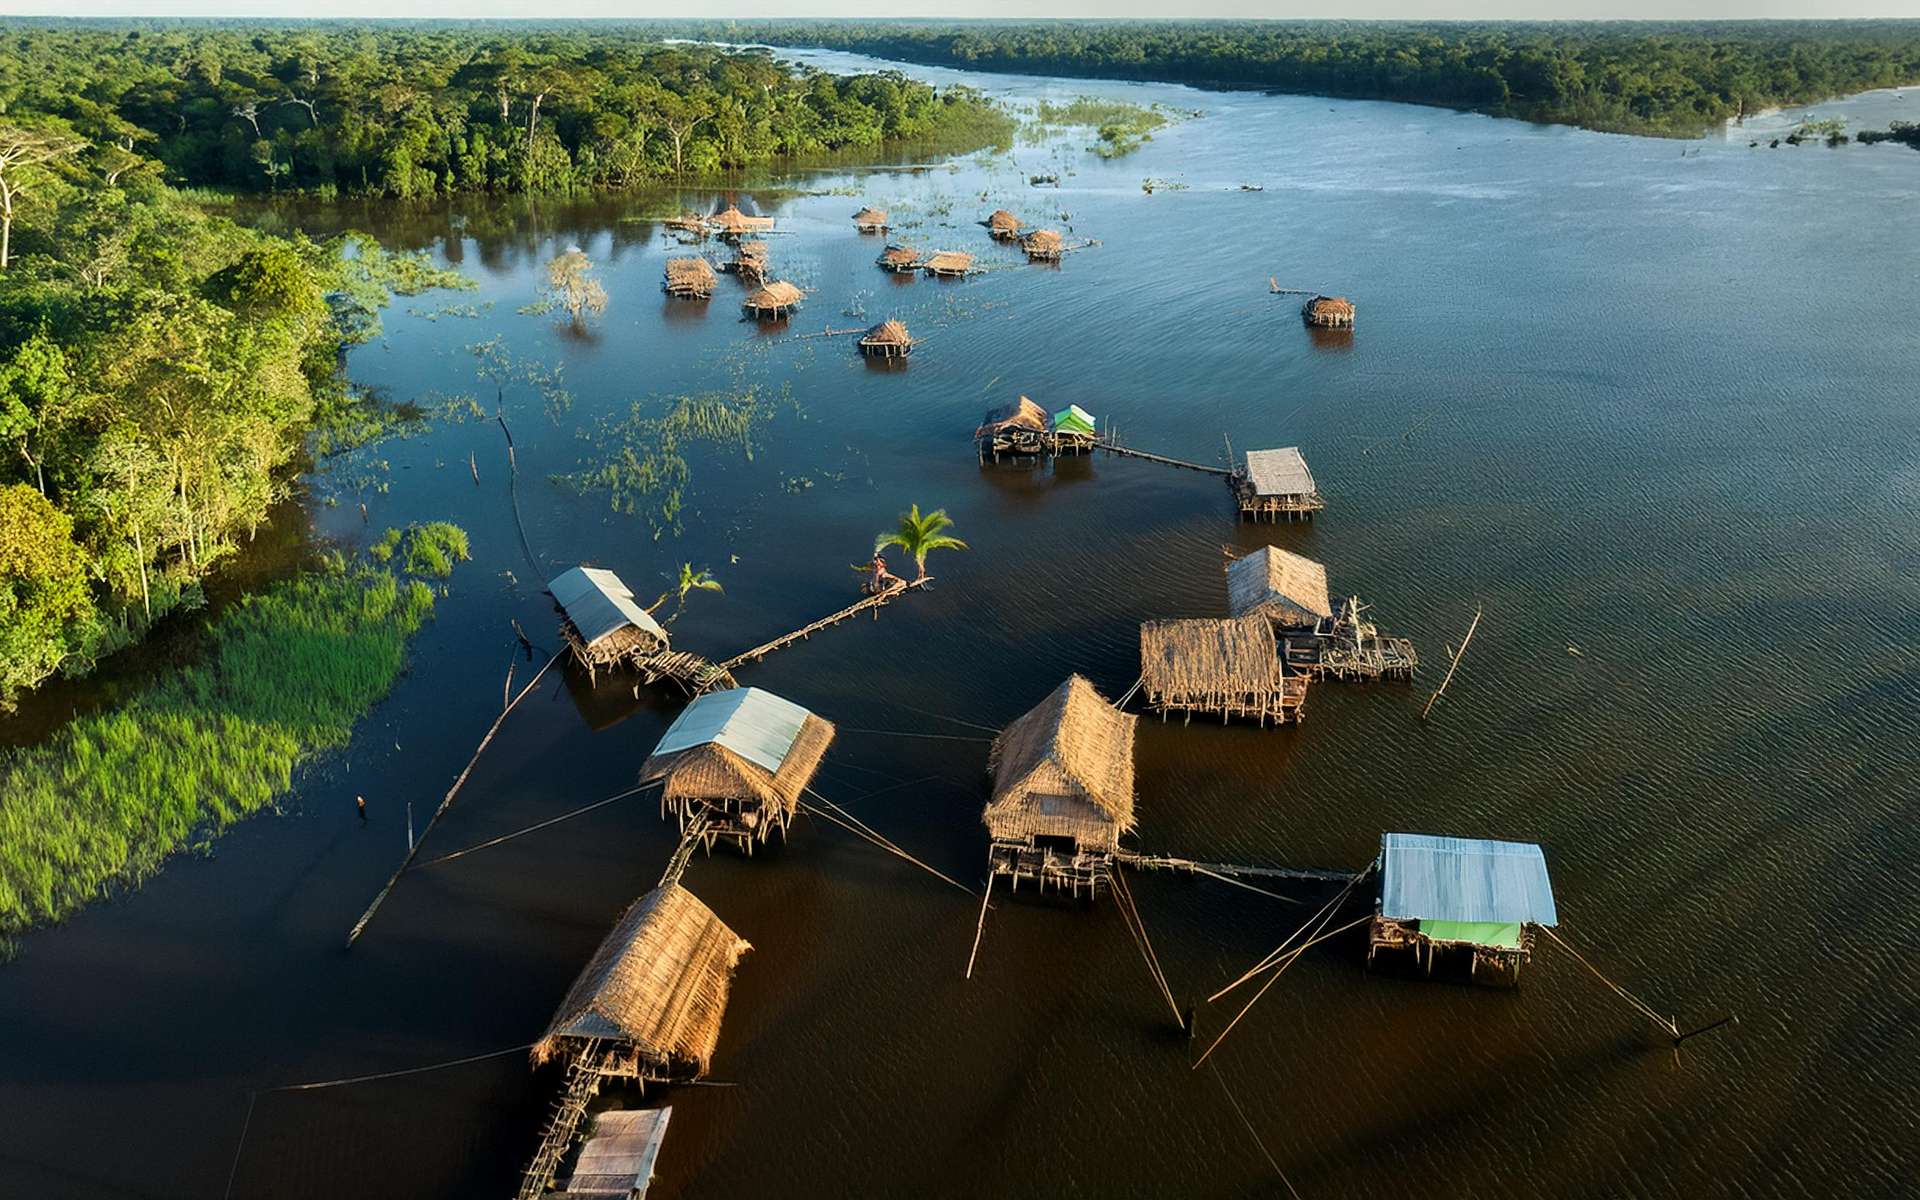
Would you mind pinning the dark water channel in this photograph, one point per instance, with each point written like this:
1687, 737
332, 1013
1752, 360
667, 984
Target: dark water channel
1650, 404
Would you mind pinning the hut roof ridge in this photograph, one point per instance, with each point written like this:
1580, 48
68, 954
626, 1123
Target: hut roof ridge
1076, 732
1271, 575
598, 602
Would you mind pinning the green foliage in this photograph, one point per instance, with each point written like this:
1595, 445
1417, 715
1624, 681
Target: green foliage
1640, 77
382, 550
415, 111
1907, 133
45, 606
920, 535
433, 548
646, 470
690, 581
105, 801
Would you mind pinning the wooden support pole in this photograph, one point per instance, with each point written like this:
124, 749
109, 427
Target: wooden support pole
980, 926
1454, 666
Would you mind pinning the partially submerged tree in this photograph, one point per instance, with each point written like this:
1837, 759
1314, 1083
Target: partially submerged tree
919, 536
570, 283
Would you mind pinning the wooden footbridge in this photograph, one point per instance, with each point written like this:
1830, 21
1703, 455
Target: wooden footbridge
874, 602
1112, 447
1166, 862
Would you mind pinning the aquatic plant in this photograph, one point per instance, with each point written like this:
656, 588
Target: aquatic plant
919, 536
433, 548
286, 673
690, 581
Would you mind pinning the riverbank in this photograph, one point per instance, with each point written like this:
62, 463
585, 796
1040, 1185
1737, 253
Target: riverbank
286, 674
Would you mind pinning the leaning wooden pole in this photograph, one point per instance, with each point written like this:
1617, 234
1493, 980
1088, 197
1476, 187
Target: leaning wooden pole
446, 802
979, 927
1454, 666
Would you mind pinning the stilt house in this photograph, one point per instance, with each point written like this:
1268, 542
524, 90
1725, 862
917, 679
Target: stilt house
1461, 899
738, 760
1062, 791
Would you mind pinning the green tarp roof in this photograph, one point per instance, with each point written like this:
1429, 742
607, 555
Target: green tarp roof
1073, 419
1479, 933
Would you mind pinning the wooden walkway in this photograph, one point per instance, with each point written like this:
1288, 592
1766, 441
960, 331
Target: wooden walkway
1125, 451
853, 610
583, 1081
1164, 862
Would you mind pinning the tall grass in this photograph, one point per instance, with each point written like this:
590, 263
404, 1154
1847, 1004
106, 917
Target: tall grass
106, 801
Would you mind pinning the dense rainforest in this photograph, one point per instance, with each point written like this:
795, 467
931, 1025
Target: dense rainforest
162, 368
417, 109
1636, 77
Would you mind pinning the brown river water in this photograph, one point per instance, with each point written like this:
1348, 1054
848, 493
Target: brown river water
1648, 403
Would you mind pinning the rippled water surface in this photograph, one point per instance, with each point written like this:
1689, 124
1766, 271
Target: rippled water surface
1649, 403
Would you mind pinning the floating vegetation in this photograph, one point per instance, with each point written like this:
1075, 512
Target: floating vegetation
287, 672
1150, 185
646, 472
348, 418
539, 308
470, 311
500, 367
1121, 127
369, 276
434, 547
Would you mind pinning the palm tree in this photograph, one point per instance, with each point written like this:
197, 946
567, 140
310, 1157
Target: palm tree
920, 535
690, 581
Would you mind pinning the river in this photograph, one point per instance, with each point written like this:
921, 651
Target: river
1647, 403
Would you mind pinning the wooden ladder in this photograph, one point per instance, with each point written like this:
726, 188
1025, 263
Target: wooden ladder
583, 1080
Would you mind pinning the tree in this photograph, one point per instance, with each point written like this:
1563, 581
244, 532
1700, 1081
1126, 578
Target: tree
35, 393
568, 281
919, 536
45, 607
24, 154
690, 581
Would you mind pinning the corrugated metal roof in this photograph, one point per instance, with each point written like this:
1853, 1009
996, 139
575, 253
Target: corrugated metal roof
758, 726
597, 603
1425, 878
1279, 472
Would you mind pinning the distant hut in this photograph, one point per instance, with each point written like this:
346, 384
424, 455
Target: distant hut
950, 264
602, 622
1062, 790
1075, 431
1276, 483
1003, 225
616, 1163
732, 223
1453, 896
1328, 312
689, 223
749, 261
888, 339
1287, 589
690, 278
899, 259
1230, 667
652, 997
738, 759
871, 220
1017, 428
775, 299
1043, 245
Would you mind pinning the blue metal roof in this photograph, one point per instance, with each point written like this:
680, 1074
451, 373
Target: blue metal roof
758, 726
1426, 878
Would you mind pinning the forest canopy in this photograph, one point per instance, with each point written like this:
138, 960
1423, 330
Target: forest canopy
1637, 77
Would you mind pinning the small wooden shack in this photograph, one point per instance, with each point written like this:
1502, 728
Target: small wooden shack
1019, 428
1003, 225
688, 224
1075, 431
1230, 667
749, 261
602, 622
870, 220
899, 259
888, 339
1328, 312
1062, 791
732, 223
1276, 483
776, 299
738, 760
616, 1163
648, 1005
1043, 245
1288, 589
1462, 899
950, 264
690, 278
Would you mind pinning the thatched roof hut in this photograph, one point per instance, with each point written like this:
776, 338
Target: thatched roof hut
1231, 667
688, 222
734, 223
690, 277
1329, 312
740, 758
775, 299
871, 220
1286, 588
888, 339
1064, 771
1003, 225
601, 620
1276, 483
1043, 245
655, 991
950, 263
899, 259
1017, 428
749, 261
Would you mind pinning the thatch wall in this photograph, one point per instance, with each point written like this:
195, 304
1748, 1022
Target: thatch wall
1231, 667
656, 987
1332, 312
712, 773
899, 258
1044, 244
950, 262
1286, 588
1065, 769
1003, 224
889, 337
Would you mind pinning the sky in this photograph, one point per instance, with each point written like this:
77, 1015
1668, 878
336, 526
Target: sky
998, 9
